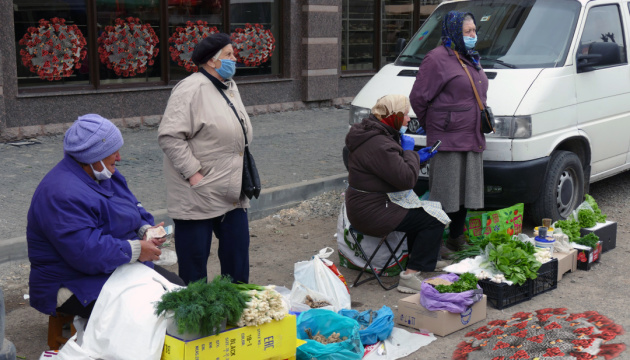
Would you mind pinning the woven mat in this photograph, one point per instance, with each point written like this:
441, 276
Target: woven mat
544, 334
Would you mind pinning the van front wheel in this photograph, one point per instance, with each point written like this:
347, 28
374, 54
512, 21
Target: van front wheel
563, 188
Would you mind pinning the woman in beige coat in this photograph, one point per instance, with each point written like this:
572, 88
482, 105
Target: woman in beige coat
203, 139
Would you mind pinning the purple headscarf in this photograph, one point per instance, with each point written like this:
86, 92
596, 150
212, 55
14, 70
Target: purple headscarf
453, 37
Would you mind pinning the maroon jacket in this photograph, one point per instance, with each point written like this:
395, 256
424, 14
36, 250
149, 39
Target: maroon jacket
445, 103
377, 165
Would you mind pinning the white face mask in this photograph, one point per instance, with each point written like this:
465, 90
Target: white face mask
101, 175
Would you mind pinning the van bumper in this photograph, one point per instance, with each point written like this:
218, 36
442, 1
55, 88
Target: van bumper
520, 181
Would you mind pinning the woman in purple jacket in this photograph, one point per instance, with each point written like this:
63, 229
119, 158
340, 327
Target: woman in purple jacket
443, 99
84, 222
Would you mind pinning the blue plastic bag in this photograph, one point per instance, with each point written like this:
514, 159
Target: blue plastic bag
326, 322
380, 328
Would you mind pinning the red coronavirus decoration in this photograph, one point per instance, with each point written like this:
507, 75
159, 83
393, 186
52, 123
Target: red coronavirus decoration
53, 50
128, 47
184, 41
544, 334
253, 45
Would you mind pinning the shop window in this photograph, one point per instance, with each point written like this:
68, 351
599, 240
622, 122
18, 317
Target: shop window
256, 23
131, 41
357, 38
374, 32
128, 43
397, 28
51, 42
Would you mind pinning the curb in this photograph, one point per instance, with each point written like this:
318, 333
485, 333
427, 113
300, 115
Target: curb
269, 202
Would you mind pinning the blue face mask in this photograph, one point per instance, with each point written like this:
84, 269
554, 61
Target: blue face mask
227, 69
470, 42
403, 130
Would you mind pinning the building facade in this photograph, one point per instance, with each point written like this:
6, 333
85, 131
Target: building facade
121, 58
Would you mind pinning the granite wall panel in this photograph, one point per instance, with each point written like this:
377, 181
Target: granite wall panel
318, 88
323, 24
324, 56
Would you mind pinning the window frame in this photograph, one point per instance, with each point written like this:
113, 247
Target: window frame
378, 28
165, 81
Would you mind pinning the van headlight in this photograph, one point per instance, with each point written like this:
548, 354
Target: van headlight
512, 127
357, 114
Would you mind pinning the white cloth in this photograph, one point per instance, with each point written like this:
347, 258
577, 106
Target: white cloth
123, 323
408, 199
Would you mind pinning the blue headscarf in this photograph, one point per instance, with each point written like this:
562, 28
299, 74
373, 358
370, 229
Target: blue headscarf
453, 37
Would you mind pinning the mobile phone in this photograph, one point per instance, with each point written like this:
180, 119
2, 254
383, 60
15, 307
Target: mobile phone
436, 145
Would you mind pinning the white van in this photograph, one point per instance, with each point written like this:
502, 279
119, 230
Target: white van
559, 87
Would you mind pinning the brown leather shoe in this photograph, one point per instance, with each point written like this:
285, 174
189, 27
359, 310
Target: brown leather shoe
456, 244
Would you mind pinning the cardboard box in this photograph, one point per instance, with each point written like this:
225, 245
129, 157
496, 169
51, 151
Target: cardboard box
273, 340
587, 256
566, 262
607, 233
411, 313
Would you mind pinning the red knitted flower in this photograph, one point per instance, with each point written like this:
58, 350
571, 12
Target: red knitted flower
128, 47
253, 45
184, 41
53, 50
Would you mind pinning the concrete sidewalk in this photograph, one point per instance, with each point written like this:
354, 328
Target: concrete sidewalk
298, 154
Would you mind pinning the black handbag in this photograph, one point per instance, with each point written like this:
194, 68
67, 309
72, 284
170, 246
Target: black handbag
487, 118
251, 181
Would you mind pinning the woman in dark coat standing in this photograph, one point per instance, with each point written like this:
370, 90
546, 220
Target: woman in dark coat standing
383, 168
443, 99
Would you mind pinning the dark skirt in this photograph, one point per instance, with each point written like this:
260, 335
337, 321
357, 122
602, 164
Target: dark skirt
456, 179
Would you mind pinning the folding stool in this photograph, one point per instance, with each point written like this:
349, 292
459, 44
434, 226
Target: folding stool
368, 260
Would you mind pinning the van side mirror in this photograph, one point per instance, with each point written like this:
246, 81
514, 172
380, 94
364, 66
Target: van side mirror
600, 54
586, 62
400, 45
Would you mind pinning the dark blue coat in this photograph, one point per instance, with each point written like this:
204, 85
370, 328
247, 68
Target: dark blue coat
77, 233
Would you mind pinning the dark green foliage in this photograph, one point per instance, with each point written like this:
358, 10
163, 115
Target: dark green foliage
601, 218
586, 218
589, 240
515, 261
569, 227
514, 258
477, 247
467, 281
202, 307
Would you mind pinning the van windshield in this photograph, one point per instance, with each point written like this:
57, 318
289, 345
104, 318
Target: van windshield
510, 33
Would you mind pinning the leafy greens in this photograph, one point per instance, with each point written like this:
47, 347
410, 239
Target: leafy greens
467, 281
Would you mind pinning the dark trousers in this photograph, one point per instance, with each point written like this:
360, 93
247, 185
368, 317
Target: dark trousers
458, 220
424, 237
73, 306
194, 237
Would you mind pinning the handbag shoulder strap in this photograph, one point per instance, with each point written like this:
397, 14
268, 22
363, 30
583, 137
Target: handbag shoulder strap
235, 113
472, 83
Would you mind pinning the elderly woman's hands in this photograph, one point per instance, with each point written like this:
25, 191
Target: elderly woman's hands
426, 154
193, 180
149, 251
407, 142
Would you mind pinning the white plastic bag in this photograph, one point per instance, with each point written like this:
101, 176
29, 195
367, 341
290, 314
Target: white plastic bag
350, 255
168, 257
314, 275
298, 294
124, 324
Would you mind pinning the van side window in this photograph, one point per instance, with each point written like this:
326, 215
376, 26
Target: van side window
603, 35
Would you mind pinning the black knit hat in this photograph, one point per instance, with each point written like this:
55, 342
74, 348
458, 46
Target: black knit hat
208, 47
